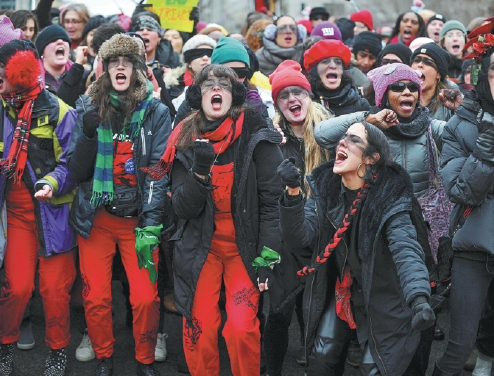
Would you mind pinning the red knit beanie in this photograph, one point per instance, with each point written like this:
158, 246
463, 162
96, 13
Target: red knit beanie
365, 17
324, 49
288, 73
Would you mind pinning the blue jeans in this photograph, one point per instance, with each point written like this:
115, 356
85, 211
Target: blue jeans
470, 281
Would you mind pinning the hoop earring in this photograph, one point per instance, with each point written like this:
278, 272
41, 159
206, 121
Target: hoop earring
358, 168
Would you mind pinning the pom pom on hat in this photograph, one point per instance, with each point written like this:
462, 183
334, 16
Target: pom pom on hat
288, 73
324, 49
384, 76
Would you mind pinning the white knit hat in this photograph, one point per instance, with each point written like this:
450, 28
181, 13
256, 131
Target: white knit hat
198, 40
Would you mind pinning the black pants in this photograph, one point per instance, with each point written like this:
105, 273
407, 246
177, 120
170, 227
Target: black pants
485, 335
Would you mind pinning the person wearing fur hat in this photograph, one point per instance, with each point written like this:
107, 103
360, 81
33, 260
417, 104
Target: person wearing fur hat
366, 49
120, 130
37, 191
222, 163
296, 116
433, 62
327, 62
196, 54
453, 38
283, 40
434, 26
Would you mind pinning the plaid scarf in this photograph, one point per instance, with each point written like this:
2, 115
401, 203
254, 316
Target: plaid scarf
103, 170
23, 102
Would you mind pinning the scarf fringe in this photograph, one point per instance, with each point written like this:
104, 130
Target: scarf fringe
160, 169
99, 198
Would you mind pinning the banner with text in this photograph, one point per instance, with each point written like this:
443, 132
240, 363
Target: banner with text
174, 14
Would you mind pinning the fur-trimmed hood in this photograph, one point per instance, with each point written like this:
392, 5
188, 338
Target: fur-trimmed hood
171, 78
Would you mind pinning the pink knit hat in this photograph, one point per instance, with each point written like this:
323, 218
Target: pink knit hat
384, 76
7, 31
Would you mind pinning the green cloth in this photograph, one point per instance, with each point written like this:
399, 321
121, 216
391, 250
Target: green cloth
229, 49
268, 258
103, 170
146, 238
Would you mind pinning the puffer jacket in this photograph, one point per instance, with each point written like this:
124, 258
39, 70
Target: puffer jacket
148, 149
409, 153
393, 268
256, 189
468, 181
271, 55
165, 56
52, 123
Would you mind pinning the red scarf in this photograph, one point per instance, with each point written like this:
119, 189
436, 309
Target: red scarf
188, 79
342, 295
222, 138
15, 162
395, 39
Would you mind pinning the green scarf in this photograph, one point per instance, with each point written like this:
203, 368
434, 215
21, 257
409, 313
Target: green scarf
103, 170
268, 258
145, 239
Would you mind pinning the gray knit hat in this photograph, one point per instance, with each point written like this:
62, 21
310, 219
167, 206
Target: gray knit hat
453, 25
198, 40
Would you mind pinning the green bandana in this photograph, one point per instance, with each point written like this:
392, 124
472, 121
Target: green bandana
268, 258
146, 238
103, 170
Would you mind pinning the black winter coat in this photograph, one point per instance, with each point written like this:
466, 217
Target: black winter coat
255, 192
348, 101
153, 203
468, 181
393, 268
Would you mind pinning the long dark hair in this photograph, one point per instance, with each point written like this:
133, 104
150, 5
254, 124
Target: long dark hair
19, 19
422, 28
193, 124
377, 143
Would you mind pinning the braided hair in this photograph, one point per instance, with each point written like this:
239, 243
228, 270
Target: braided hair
377, 143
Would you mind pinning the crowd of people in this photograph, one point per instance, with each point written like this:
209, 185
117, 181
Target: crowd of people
345, 171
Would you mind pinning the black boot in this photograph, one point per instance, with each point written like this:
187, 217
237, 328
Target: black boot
104, 367
146, 370
55, 363
439, 372
6, 359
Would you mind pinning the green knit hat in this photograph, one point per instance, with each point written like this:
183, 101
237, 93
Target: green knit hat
453, 25
229, 49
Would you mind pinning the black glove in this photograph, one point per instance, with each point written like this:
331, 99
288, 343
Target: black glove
90, 123
423, 316
484, 148
203, 157
265, 272
194, 14
288, 173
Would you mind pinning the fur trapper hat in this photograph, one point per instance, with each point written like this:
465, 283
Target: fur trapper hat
120, 45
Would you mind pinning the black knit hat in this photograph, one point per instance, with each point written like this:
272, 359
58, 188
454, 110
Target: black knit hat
9, 49
319, 11
50, 34
438, 54
346, 27
368, 40
398, 49
93, 23
436, 17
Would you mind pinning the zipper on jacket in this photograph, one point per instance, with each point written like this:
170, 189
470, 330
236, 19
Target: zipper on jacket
375, 344
143, 141
150, 192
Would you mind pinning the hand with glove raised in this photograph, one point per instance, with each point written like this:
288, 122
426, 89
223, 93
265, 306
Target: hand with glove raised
266, 278
90, 124
203, 158
423, 316
289, 174
484, 148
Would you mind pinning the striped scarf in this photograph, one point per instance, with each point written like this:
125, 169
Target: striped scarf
23, 101
103, 170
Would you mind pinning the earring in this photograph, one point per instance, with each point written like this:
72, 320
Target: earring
358, 168
190, 66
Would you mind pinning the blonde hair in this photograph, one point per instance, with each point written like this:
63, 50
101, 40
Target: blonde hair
313, 155
80, 9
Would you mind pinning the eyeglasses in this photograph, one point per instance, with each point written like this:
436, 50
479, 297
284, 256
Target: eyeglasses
425, 60
241, 72
212, 82
296, 91
287, 28
73, 22
390, 61
400, 86
335, 60
116, 62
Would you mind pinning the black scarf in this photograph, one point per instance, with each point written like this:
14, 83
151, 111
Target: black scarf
409, 128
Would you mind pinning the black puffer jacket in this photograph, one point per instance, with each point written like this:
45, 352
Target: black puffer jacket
255, 193
346, 101
393, 268
468, 181
148, 149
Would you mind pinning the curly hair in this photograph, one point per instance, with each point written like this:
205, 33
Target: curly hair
254, 34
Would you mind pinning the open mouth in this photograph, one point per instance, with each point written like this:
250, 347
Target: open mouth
341, 156
332, 77
436, 34
216, 102
296, 109
120, 78
146, 41
456, 48
406, 105
60, 52
407, 33
288, 39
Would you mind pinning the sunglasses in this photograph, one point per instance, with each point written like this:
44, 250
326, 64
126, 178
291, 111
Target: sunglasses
241, 72
288, 27
425, 60
400, 86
